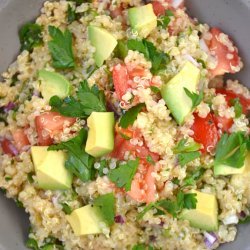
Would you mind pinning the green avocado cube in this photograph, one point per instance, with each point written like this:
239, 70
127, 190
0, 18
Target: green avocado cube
205, 215
104, 43
174, 94
100, 139
142, 19
86, 220
52, 83
50, 170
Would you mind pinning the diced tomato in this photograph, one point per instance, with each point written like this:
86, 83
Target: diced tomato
230, 95
20, 139
49, 124
143, 185
8, 147
205, 132
223, 123
222, 47
120, 79
122, 146
159, 9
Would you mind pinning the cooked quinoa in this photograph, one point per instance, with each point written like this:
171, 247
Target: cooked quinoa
154, 130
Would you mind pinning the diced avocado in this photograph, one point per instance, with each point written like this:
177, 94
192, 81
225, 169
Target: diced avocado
101, 133
86, 220
49, 167
142, 19
53, 84
205, 216
104, 43
174, 94
228, 170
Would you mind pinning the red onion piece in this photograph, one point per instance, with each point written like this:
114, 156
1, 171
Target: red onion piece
119, 219
210, 239
9, 106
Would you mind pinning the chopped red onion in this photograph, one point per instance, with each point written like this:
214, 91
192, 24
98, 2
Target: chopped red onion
9, 106
119, 219
210, 239
13, 149
242, 214
176, 3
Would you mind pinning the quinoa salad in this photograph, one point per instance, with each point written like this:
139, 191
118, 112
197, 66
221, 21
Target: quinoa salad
118, 130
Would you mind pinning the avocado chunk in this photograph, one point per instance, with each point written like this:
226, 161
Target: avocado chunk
104, 43
49, 167
228, 170
142, 19
53, 84
101, 133
205, 216
174, 94
86, 220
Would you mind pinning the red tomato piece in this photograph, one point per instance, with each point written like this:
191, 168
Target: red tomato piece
143, 185
120, 79
158, 8
205, 132
223, 123
20, 139
222, 47
8, 147
230, 95
49, 124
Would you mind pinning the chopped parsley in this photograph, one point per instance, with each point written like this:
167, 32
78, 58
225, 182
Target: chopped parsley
237, 107
173, 207
195, 98
30, 36
60, 48
142, 247
78, 162
193, 177
106, 204
158, 59
71, 14
245, 220
155, 89
123, 175
164, 20
130, 116
87, 100
66, 208
187, 151
150, 160
231, 150
121, 49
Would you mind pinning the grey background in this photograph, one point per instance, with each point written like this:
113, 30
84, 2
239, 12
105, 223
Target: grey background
232, 16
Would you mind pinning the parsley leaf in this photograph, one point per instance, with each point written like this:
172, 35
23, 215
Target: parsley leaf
88, 100
150, 160
237, 107
192, 177
121, 50
185, 146
142, 247
30, 36
61, 49
79, 162
231, 150
130, 116
155, 90
195, 98
124, 174
32, 244
164, 20
66, 208
106, 204
173, 207
185, 158
158, 59
71, 14
245, 220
